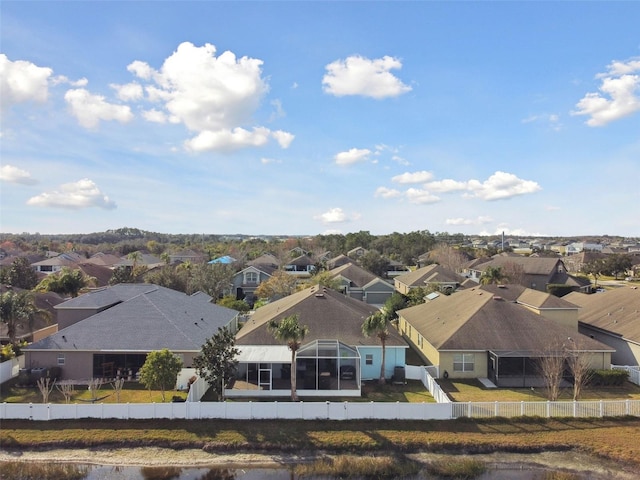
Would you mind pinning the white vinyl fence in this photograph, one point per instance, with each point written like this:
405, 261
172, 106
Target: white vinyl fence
11, 368
319, 410
633, 371
424, 375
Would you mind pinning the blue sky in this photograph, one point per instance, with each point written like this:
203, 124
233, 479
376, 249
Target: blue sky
320, 117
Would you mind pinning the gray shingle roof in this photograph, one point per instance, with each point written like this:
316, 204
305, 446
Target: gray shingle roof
430, 274
154, 319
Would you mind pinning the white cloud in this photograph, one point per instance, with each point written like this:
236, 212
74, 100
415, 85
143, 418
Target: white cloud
358, 75
228, 139
618, 96
283, 138
385, 192
481, 220
400, 160
62, 79
81, 194
501, 185
352, 156
413, 177
333, 215
214, 96
11, 174
90, 109
419, 196
22, 81
129, 92
446, 185
155, 116
267, 161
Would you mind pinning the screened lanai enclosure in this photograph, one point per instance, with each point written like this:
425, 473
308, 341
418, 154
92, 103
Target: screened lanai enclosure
517, 369
323, 368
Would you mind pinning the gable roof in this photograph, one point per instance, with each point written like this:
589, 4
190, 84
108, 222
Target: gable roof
616, 311
154, 319
475, 319
328, 314
433, 273
358, 276
530, 265
527, 296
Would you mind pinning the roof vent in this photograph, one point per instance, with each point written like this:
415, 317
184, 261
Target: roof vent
319, 294
497, 297
502, 286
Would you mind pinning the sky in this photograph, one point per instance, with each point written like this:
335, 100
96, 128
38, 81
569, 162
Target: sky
307, 118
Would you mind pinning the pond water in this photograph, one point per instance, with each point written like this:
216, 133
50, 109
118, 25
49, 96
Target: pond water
500, 467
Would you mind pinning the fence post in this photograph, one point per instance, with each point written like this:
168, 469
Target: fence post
626, 407
548, 408
495, 409
601, 408
469, 410
574, 409
522, 408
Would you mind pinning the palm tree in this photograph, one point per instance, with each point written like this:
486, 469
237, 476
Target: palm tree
377, 324
292, 333
492, 275
16, 308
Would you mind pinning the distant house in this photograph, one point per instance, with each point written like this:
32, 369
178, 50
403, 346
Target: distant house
396, 268
57, 263
127, 325
496, 333
41, 325
531, 272
300, 267
183, 256
338, 261
358, 283
333, 359
434, 274
224, 260
246, 281
356, 252
612, 317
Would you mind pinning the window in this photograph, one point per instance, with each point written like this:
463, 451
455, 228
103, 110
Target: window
420, 340
61, 359
251, 278
368, 359
463, 362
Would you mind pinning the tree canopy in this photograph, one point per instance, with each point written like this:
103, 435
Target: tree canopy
160, 370
289, 331
217, 362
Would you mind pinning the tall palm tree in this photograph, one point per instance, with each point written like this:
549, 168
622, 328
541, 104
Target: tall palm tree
492, 275
292, 333
378, 325
17, 307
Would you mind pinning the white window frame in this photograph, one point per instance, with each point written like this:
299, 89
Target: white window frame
61, 359
464, 362
368, 359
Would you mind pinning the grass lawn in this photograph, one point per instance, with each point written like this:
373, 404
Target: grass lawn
132, 392
473, 391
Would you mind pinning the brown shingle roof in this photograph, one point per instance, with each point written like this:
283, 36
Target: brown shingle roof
328, 314
430, 274
617, 310
475, 319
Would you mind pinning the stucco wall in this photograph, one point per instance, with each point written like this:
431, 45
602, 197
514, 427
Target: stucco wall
480, 365
394, 356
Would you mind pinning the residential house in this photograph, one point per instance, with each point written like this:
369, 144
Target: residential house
41, 325
246, 281
57, 263
577, 261
431, 275
356, 252
187, 255
301, 267
532, 272
612, 317
578, 247
358, 283
396, 268
338, 261
496, 333
333, 359
116, 340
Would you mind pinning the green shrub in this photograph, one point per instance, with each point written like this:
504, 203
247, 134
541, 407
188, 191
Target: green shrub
608, 378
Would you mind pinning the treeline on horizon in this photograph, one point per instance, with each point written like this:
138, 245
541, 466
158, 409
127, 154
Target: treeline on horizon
399, 246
